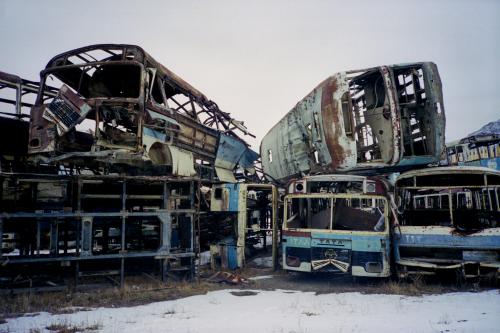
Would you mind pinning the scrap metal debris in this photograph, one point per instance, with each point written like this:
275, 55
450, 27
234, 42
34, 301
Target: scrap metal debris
226, 277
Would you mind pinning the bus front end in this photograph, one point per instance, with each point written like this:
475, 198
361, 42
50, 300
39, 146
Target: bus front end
337, 233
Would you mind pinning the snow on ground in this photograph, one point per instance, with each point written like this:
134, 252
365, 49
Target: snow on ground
204, 258
260, 277
283, 311
263, 262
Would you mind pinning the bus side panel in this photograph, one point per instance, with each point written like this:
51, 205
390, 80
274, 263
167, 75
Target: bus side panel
297, 253
432, 248
370, 256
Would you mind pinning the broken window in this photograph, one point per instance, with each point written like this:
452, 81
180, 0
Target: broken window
336, 213
100, 81
346, 115
411, 94
371, 113
369, 110
465, 207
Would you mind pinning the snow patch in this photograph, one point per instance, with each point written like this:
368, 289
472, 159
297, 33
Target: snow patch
284, 311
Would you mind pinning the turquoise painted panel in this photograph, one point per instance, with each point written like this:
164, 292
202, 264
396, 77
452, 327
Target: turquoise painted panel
471, 241
368, 244
234, 193
331, 242
292, 241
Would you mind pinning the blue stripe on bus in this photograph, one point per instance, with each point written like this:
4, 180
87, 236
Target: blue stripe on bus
476, 242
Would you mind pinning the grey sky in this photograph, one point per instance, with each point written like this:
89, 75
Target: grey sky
256, 59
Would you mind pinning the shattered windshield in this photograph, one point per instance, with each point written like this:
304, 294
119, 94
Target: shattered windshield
99, 81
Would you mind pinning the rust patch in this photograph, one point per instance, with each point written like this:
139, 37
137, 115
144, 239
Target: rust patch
331, 124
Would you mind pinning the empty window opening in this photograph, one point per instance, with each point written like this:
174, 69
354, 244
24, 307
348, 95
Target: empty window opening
353, 214
367, 101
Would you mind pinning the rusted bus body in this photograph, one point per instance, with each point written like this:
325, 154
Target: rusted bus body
119, 107
338, 224
17, 96
387, 117
449, 221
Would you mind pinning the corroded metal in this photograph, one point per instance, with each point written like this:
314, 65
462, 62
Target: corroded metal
387, 118
137, 114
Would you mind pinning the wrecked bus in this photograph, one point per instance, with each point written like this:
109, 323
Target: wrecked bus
388, 118
17, 96
449, 220
119, 110
338, 224
475, 151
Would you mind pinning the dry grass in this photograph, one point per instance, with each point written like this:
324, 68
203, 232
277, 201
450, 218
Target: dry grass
417, 287
136, 291
65, 327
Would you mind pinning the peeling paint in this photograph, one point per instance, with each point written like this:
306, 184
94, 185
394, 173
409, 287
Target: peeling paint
387, 118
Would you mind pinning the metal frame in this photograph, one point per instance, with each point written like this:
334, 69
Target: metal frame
171, 187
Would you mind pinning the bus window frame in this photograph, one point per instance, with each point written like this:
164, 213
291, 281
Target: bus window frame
288, 197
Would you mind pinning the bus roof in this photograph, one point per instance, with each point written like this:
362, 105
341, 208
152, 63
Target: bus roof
125, 52
448, 170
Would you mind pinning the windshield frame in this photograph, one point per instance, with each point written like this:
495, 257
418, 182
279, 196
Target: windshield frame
44, 74
337, 196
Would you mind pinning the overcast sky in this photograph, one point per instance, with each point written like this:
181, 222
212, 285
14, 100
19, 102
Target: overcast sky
257, 59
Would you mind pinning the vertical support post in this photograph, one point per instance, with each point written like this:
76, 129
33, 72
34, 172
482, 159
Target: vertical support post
123, 250
124, 200
164, 269
198, 229
77, 272
191, 206
78, 211
1, 236
66, 233
165, 195
166, 223
241, 192
54, 242
274, 226
166, 226
122, 273
192, 230
18, 99
38, 237
450, 204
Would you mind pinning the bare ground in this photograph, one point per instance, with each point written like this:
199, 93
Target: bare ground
142, 290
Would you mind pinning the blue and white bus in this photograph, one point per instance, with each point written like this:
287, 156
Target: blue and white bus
338, 224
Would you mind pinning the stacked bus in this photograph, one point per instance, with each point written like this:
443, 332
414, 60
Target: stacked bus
483, 151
